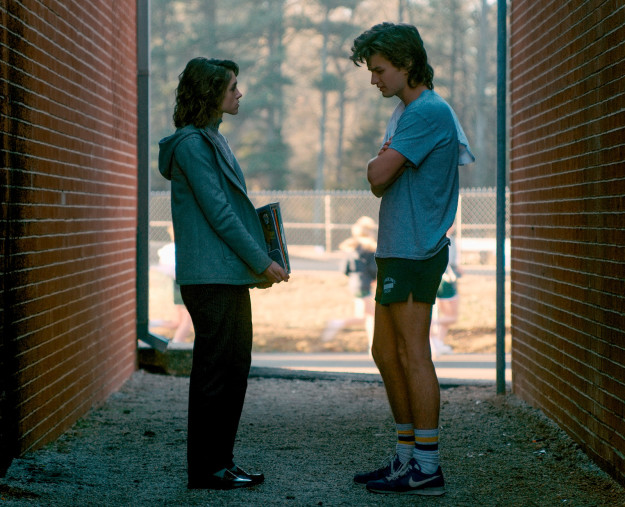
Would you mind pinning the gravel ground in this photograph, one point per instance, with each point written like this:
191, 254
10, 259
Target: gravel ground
309, 434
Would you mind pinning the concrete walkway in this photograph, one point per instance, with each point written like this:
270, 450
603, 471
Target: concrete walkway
450, 368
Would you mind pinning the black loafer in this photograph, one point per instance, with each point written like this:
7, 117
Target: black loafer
255, 478
222, 479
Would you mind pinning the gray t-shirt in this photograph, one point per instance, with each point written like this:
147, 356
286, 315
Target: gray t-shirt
418, 209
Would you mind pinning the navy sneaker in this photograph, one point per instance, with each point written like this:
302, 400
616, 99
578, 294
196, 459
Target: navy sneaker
409, 480
390, 465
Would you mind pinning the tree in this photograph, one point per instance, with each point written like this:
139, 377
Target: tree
460, 42
309, 118
182, 30
334, 34
261, 148
179, 30
363, 146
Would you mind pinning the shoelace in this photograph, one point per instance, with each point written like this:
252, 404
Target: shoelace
388, 461
395, 474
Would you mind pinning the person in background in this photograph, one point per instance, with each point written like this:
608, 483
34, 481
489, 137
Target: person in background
416, 175
220, 254
361, 271
167, 265
445, 310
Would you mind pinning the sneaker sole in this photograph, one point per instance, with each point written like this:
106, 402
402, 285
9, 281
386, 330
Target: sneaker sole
423, 492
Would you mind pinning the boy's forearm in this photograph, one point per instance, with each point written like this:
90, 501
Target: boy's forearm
379, 187
385, 168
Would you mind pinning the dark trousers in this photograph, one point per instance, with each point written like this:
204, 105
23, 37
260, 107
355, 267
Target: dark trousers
222, 354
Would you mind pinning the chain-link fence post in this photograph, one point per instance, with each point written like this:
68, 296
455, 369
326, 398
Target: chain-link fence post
459, 231
328, 222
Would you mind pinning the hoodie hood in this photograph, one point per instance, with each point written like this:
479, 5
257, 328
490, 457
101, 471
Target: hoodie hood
167, 147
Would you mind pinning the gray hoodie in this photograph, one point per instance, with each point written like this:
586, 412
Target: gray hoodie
218, 236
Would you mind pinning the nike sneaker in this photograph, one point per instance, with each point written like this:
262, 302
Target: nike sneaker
409, 480
390, 465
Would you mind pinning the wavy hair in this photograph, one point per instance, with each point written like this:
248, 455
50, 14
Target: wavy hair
401, 45
201, 90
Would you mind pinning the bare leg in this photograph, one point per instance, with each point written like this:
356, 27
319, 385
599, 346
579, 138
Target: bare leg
447, 315
401, 350
369, 311
184, 326
412, 322
386, 357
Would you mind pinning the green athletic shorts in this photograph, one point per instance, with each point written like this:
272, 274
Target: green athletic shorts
446, 290
398, 278
177, 296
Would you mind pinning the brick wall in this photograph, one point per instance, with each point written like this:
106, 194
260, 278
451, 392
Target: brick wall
567, 184
68, 98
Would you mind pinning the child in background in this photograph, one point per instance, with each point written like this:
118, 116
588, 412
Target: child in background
167, 265
362, 271
445, 312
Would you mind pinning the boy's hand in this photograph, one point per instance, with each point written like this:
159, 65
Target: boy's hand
385, 146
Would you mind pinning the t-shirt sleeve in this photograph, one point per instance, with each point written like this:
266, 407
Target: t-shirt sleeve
414, 138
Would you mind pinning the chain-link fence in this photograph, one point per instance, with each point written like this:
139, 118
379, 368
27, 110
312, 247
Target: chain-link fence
324, 219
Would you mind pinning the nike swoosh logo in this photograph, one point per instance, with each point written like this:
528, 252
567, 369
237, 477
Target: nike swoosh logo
416, 484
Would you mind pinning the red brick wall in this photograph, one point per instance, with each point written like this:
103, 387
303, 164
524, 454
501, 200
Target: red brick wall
69, 173
567, 185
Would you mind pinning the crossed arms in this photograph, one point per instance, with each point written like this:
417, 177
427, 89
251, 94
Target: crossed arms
385, 168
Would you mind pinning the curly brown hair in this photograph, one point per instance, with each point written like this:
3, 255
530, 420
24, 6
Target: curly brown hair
401, 45
201, 91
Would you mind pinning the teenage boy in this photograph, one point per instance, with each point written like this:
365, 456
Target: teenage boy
416, 175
